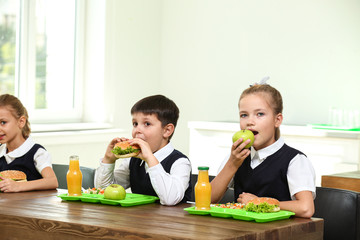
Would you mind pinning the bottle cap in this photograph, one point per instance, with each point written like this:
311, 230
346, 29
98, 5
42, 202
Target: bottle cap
74, 157
203, 168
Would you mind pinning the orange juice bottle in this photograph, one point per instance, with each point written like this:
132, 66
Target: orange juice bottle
74, 177
203, 190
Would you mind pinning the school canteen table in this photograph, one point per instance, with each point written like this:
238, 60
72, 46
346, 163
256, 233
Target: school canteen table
346, 180
42, 215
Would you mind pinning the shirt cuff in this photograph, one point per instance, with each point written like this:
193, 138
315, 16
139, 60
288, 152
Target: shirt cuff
110, 166
105, 164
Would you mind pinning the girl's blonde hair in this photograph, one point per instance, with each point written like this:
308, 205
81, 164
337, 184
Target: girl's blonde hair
272, 95
18, 110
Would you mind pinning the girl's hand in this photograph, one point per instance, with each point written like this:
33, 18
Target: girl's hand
245, 197
239, 152
145, 154
109, 156
8, 185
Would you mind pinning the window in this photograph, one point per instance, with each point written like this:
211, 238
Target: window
39, 57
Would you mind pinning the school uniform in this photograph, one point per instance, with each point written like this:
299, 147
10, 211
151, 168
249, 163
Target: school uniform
277, 171
169, 180
31, 158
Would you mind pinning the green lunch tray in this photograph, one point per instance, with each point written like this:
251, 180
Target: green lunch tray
241, 214
332, 127
131, 199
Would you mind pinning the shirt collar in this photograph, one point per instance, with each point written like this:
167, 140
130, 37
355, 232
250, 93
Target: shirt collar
269, 150
20, 151
162, 153
2, 150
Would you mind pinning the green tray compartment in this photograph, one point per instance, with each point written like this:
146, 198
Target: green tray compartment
131, 199
332, 127
241, 214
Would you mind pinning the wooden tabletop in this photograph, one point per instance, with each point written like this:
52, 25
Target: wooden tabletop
346, 180
43, 215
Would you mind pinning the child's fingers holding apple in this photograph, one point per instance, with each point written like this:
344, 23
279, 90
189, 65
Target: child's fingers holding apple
241, 144
244, 135
237, 160
241, 155
239, 152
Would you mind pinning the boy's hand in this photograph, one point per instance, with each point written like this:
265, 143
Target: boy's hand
8, 185
145, 154
109, 156
239, 152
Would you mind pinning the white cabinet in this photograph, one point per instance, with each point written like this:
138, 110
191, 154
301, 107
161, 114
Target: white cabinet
329, 151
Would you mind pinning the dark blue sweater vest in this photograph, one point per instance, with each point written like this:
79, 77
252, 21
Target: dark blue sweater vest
269, 179
140, 180
24, 163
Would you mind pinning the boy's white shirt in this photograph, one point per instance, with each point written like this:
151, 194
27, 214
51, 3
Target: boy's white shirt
301, 174
42, 158
170, 187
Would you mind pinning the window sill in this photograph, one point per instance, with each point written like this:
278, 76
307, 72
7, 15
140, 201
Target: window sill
73, 134
63, 127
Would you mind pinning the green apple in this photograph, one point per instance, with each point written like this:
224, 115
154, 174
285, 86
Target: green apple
245, 135
114, 192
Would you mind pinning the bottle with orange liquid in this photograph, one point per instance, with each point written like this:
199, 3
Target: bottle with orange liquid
203, 190
74, 177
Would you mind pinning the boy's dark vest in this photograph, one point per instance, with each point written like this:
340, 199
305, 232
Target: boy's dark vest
24, 163
269, 179
140, 180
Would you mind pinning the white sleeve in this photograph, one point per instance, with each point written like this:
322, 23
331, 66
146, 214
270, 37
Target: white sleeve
42, 159
222, 165
301, 176
106, 175
171, 187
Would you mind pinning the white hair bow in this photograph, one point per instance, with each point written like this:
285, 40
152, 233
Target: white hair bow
262, 81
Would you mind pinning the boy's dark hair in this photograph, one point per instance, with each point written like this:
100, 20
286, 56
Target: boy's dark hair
164, 108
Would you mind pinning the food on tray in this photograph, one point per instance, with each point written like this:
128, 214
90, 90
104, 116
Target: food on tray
241, 214
125, 150
15, 175
114, 192
263, 205
94, 191
229, 205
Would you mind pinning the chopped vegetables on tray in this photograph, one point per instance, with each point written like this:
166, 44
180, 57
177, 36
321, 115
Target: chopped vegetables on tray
94, 191
229, 205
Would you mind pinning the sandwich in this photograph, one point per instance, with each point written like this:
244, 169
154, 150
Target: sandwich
125, 150
263, 205
15, 175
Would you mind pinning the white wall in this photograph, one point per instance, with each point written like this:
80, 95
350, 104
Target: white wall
132, 55
203, 53
89, 145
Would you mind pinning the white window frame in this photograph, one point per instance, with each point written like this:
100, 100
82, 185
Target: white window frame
26, 65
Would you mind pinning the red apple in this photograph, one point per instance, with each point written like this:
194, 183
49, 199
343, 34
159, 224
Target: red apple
245, 135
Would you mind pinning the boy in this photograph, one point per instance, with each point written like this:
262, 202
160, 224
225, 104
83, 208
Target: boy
166, 172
